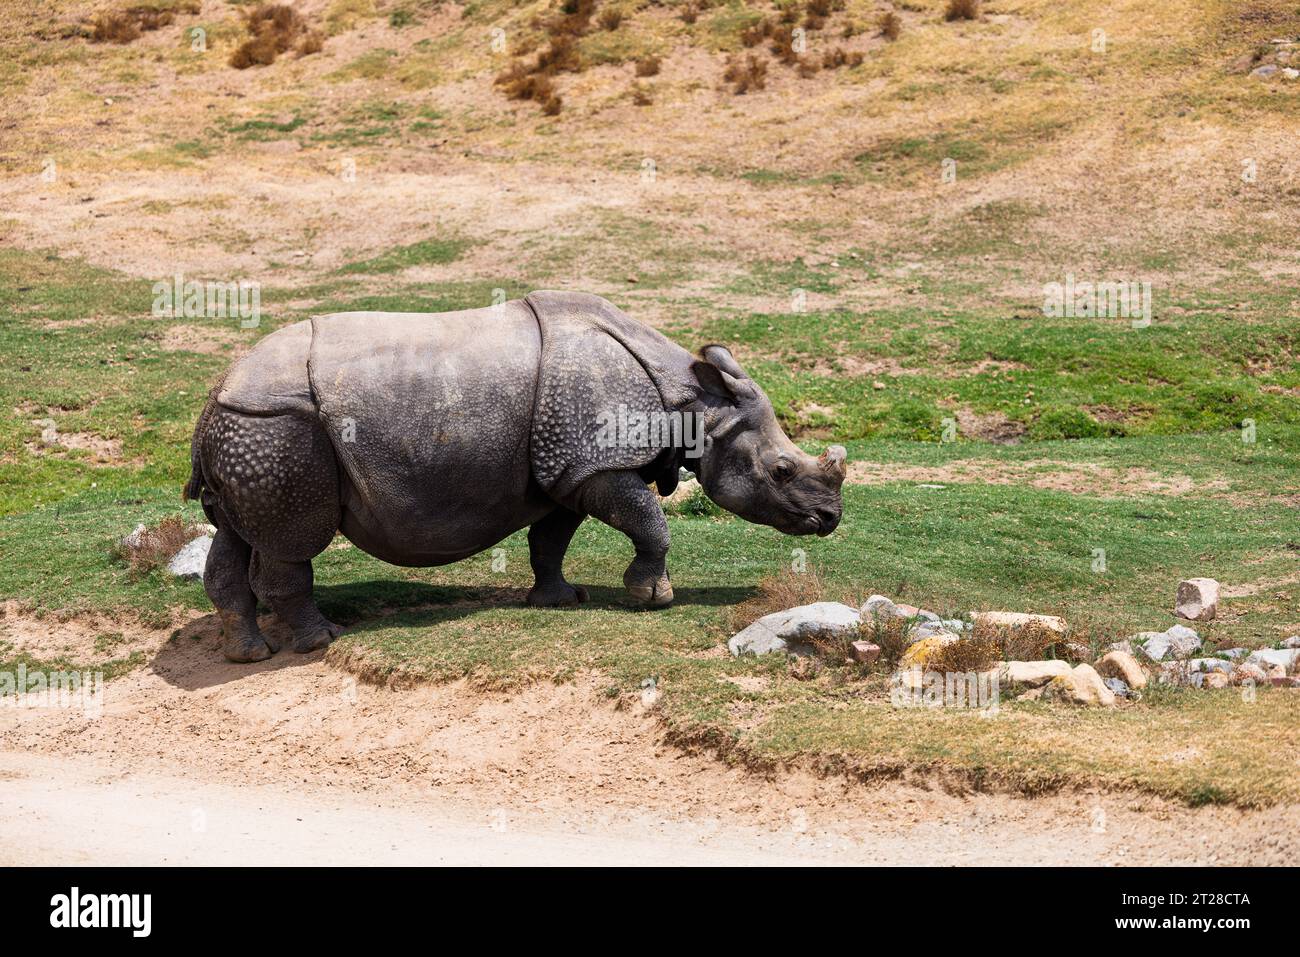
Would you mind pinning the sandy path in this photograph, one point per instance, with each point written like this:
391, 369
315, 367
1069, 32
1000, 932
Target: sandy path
194, 760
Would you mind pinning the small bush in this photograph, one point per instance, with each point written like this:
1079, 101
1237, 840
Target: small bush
610, 18
962, 10
123, 26
975, 652
154, 547
890, 25
690, 13
808, 67
746, 75
641, 96
649, 66
891, 634
274, 28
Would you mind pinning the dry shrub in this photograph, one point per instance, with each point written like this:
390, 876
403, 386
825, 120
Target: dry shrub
782, 44
745, 74
649, 66
974, 652
690, 13
1031, 642
274, 28
610, 18
752, 36
834, 59
641, 96
821, 8
812, 22
890, 24
532, 81
808, 67
891, 634
123, 26
777, 593
962, 10
155, 546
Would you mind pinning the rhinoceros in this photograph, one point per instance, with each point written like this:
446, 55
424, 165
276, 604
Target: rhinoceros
425, 438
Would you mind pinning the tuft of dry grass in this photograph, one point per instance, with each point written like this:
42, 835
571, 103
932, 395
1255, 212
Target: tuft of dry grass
155, 546
777, 593
533, 81
274, 28
891, 634
962, 10
890, 25
1031, 642
970, 653
648, 66
641, 95
745, 74
123, 26
610, 18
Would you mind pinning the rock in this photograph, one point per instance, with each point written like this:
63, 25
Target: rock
133, 539
878, 606
1118, 687
1197, 599
1016, 619
911, 611
1293, 642
1210, 664
1178, 642
1249, 672
920, 653
928, 629
1235, 653
864, 652
782, 630
1216, 679
1291, 73
1081, 686
190, 561
1032, 673
1121, 665
1275, 657
1125, 646
1268, 69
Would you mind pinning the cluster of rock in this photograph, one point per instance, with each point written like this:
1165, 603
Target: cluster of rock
192, 557
1126, 668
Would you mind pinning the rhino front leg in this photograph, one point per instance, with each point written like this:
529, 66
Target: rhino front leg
548, 540
623, 501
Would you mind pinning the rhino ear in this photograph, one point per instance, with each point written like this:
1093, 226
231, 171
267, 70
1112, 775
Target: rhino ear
721, 357
719, 374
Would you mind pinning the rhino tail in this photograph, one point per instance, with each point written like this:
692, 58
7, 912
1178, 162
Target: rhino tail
194, 487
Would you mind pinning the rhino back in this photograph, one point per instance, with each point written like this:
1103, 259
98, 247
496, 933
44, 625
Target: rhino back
430, 417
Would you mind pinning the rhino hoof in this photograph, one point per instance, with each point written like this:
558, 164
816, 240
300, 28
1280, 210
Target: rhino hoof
657, 596
557, 596
246, 649
317, 638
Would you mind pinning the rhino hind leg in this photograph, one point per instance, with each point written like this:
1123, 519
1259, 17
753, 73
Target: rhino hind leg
622, 500
274, 482
225, 579
548, 540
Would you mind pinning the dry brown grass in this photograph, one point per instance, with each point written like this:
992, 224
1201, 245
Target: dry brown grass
962, 10
777, 593
641, 95
648, 66
156, 545
1030, 642
273, 29
533, 81
123, 26
744, 75
610, 18
890, 25
970, 653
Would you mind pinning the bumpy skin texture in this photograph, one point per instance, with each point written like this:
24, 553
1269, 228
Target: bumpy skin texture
426, 438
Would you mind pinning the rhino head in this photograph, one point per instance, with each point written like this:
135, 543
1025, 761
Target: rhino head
748, 465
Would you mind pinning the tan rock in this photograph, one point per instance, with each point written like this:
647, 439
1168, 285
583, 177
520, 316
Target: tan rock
864, 652
1197, 599
1031, 673
1216, 679
1081, 686
1122, 665
1018, 619
920, 653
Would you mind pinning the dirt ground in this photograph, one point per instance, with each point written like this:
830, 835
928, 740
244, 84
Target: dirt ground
197, 761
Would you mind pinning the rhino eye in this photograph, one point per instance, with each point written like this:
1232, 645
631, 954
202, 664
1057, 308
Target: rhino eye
783, 471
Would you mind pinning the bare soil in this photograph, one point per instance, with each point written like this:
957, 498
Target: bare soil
195, 760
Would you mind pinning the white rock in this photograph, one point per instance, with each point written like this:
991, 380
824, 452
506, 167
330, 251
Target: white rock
878, 606
1210, 664
1178, 641
1293, 642
1032, 673
1198, 599
1017, 619
189, 562
782, 630
1274, 657
133, 539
